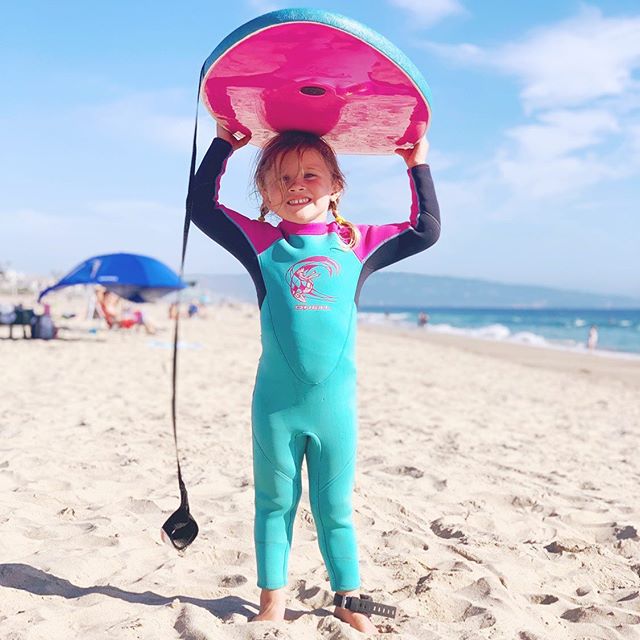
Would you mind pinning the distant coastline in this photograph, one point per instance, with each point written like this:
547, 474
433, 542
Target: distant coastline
524, 314
385, 290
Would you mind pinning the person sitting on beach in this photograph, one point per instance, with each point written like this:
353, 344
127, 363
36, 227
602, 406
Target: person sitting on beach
193, 309
117, 316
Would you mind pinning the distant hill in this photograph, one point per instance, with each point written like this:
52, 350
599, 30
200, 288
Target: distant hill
393, 289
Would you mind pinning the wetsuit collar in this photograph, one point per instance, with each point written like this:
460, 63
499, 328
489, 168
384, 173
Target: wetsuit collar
312, 228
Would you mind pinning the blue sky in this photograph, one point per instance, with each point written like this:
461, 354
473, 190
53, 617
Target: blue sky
535, 137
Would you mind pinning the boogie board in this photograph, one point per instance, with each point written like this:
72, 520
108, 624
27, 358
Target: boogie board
316, 71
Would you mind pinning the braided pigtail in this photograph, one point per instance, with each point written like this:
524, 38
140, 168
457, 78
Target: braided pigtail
263, 212
354, 232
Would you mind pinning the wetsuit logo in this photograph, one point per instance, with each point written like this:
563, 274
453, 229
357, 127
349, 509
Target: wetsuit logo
302, 276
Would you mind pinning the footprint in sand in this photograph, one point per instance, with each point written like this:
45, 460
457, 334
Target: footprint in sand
612, 532
527, 503
446, 531
566, 546
396, 539
543, 599
231, 581
232, 557
626, 533
480, 617
423, 584
599, 615
404, 470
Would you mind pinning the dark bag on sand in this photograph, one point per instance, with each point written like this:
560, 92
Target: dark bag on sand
43, 328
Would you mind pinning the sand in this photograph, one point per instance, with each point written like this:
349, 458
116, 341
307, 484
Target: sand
496, 492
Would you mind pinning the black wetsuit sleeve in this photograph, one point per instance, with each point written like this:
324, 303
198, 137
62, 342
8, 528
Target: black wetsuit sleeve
228, 228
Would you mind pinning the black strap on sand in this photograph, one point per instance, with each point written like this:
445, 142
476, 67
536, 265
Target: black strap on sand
181, 528
364, 604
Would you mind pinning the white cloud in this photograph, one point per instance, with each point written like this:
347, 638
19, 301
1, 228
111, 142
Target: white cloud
580, 103
428, 12
560, 154
579, 60
571, 63
561, 132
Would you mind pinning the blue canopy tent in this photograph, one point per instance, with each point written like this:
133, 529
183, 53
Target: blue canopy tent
134, 277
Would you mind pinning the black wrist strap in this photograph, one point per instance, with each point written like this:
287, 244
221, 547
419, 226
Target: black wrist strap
364, 604
181, 528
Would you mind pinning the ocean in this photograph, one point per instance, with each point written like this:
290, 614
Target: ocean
618, 329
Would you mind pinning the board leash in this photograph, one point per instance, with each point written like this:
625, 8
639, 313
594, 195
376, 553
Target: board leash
181, 529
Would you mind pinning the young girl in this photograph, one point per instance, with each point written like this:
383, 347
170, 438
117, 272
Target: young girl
308, 272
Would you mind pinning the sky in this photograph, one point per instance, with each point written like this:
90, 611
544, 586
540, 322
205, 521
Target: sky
535, 135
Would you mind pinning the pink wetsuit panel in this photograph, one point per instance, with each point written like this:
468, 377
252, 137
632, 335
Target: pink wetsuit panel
261, 235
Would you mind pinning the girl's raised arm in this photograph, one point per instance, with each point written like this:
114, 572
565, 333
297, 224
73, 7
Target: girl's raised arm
241, 236
382, 245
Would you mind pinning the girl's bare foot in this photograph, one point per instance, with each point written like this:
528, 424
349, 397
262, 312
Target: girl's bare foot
272, 605
358, 621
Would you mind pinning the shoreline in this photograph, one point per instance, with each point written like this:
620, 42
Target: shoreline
458, 335
595, 365
601, 364
527, 336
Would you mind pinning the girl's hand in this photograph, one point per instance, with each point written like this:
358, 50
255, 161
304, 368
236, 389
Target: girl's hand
417, 155
225, 134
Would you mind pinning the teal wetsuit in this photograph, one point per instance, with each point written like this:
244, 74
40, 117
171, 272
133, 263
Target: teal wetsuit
304, 401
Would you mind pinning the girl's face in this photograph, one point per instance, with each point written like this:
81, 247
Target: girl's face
304, 189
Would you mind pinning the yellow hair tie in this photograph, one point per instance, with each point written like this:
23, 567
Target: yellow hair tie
339, 219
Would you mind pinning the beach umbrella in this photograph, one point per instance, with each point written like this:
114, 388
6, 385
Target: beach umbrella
131, 276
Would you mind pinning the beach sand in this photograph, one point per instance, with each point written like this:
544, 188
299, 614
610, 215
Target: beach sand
496, 492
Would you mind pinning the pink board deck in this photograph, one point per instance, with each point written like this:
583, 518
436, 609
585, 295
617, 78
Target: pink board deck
315, 71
